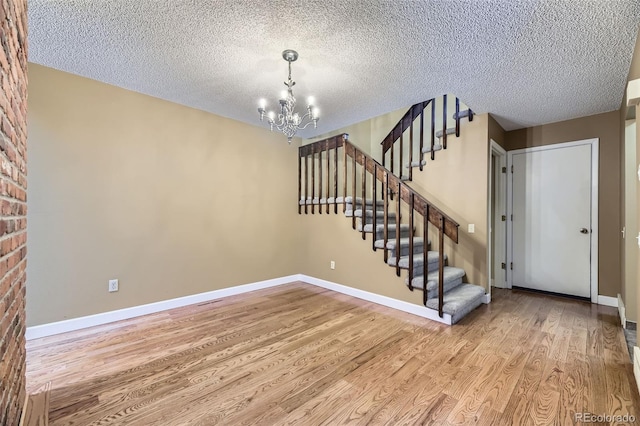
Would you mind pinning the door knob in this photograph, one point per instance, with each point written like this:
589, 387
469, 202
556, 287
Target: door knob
584, 231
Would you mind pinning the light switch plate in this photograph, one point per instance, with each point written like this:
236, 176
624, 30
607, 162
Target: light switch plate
471, 228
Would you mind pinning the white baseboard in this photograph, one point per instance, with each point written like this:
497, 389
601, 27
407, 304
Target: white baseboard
636, 365
622, 312
608, 301
380, 300
73, 324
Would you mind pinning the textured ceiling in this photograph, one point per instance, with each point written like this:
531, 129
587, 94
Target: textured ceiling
527, 62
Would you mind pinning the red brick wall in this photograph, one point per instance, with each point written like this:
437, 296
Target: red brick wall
13, 207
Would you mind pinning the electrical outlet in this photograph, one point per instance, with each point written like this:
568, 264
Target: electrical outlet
472, 228
332, 265
113, 286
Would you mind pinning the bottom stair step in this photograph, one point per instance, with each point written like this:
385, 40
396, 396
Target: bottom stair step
459, 301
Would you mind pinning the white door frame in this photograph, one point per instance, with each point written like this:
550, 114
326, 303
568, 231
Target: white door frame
501, 154
594, 206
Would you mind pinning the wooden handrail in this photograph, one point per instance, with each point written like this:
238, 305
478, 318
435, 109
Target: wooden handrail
404, 123
407, 122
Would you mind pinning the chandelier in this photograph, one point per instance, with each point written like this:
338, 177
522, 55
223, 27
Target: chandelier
288, 121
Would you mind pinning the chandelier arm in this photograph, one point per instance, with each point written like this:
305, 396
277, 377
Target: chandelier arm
308, 124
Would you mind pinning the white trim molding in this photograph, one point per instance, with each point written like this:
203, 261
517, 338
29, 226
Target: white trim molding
501, 197
636, 365
487, 298
608, 301
400, 305
73, 324
622, 311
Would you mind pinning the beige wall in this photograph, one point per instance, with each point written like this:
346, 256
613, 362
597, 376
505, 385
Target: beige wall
367, 134
170, 200
330, 237
605, 127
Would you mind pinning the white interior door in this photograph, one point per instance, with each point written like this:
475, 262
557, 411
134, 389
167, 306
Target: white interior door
552, 218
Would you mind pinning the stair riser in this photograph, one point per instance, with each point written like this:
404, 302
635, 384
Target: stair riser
379, 211
432, 286
404, 251
452, 278
379, 207
349, 200
379, 214
419, 270
391, 234
448, 286
369, 214
379, 221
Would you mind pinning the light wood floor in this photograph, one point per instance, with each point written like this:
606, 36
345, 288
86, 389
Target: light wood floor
298, 354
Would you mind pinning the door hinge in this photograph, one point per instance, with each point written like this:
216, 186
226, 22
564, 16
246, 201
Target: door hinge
504, 218
512, 168
504, 170
512, 218
511, 266
504, 265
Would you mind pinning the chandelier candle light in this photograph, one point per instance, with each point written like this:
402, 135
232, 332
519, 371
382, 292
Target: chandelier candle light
289, 121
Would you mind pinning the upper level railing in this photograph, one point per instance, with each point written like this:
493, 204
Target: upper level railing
394, 142
333, 169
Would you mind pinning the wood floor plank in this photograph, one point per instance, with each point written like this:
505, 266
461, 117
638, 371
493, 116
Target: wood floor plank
373, 396
301, 355
544, 407
317, 409
505, 382
621, 399
470, 401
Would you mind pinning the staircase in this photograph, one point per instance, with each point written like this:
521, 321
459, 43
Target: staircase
333, 172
